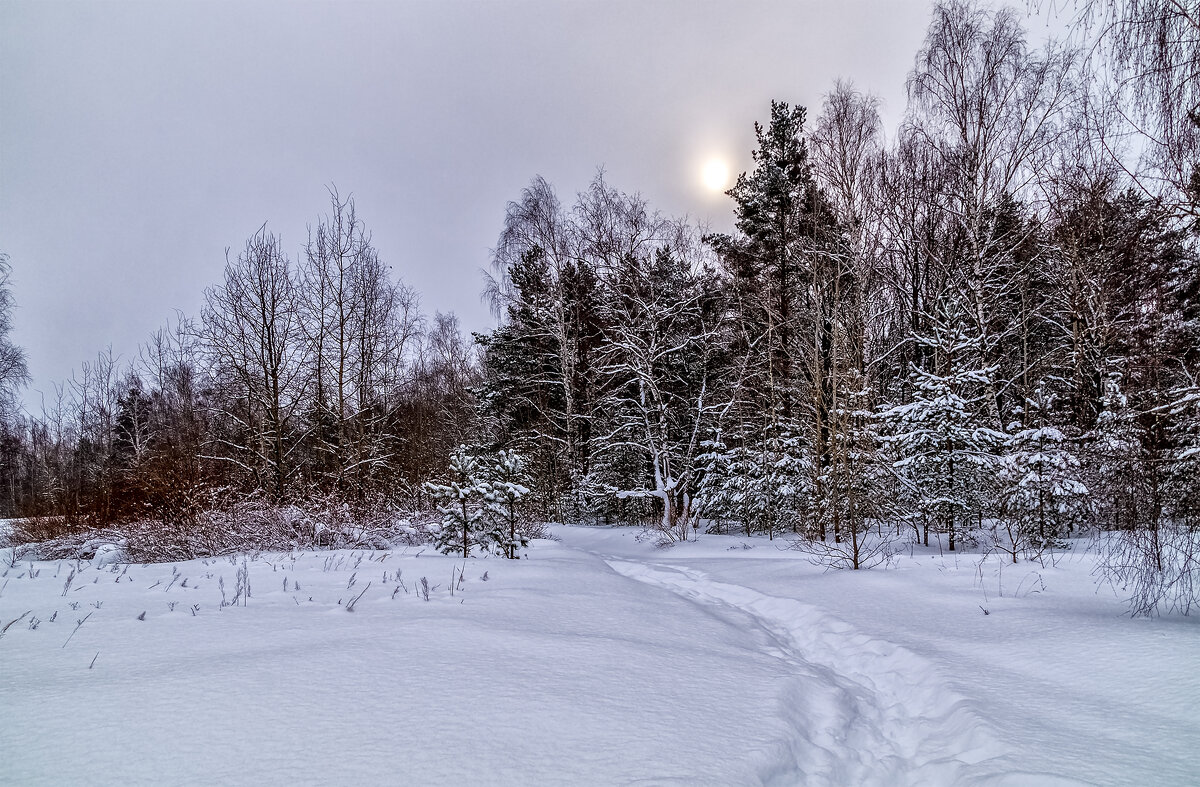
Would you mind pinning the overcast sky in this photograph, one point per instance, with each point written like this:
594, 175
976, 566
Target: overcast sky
139, 140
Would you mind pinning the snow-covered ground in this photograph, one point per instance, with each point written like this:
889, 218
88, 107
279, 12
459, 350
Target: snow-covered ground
600, 660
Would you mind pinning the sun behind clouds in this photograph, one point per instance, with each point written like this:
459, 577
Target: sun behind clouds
715, 174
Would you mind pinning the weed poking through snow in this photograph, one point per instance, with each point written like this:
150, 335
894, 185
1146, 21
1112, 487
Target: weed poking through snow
78, 625
13, 622
350, 604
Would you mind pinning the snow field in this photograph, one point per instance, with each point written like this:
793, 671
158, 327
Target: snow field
600, 660
554, 670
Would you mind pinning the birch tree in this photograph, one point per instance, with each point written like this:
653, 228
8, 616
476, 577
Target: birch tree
359, 329
989, 107
253, 339
661, 360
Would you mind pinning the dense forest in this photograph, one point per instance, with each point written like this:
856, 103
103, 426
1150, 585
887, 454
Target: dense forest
981, 328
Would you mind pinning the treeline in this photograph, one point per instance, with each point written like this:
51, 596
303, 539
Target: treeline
309, 379
983, 329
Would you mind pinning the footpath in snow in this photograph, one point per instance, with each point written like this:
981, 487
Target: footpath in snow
1054, 683
600, 660
868, 711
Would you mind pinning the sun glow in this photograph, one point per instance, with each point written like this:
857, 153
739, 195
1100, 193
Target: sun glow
715, 175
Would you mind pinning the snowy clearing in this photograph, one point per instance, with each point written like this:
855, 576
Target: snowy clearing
600, 660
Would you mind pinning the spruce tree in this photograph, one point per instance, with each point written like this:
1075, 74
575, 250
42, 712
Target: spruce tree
945, 452
762, 486
1116, 462
855, 481
523, 397
1043, 490
1184, 461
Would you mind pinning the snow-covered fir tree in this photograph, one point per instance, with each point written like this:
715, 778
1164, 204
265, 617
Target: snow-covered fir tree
1184, 462
1115, 461
1043, 493
854, 483
944, 450
460, 502
760, 487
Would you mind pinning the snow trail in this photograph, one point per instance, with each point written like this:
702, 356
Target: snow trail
864, 711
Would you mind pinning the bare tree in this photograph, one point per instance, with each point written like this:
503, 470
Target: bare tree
253, 341
567, 247
358, 326
989, 108
1151, 91
846, 149
95, 394
14, 376
14, 372
162, 429
666, 332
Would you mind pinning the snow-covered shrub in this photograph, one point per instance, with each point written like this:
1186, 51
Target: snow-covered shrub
858, 550
78, 546
42, 529
230, 523
1159, 567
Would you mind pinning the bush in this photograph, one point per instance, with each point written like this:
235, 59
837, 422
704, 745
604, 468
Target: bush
226, 527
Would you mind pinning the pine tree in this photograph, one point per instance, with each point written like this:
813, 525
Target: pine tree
505, 491
790, 279
460, 503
